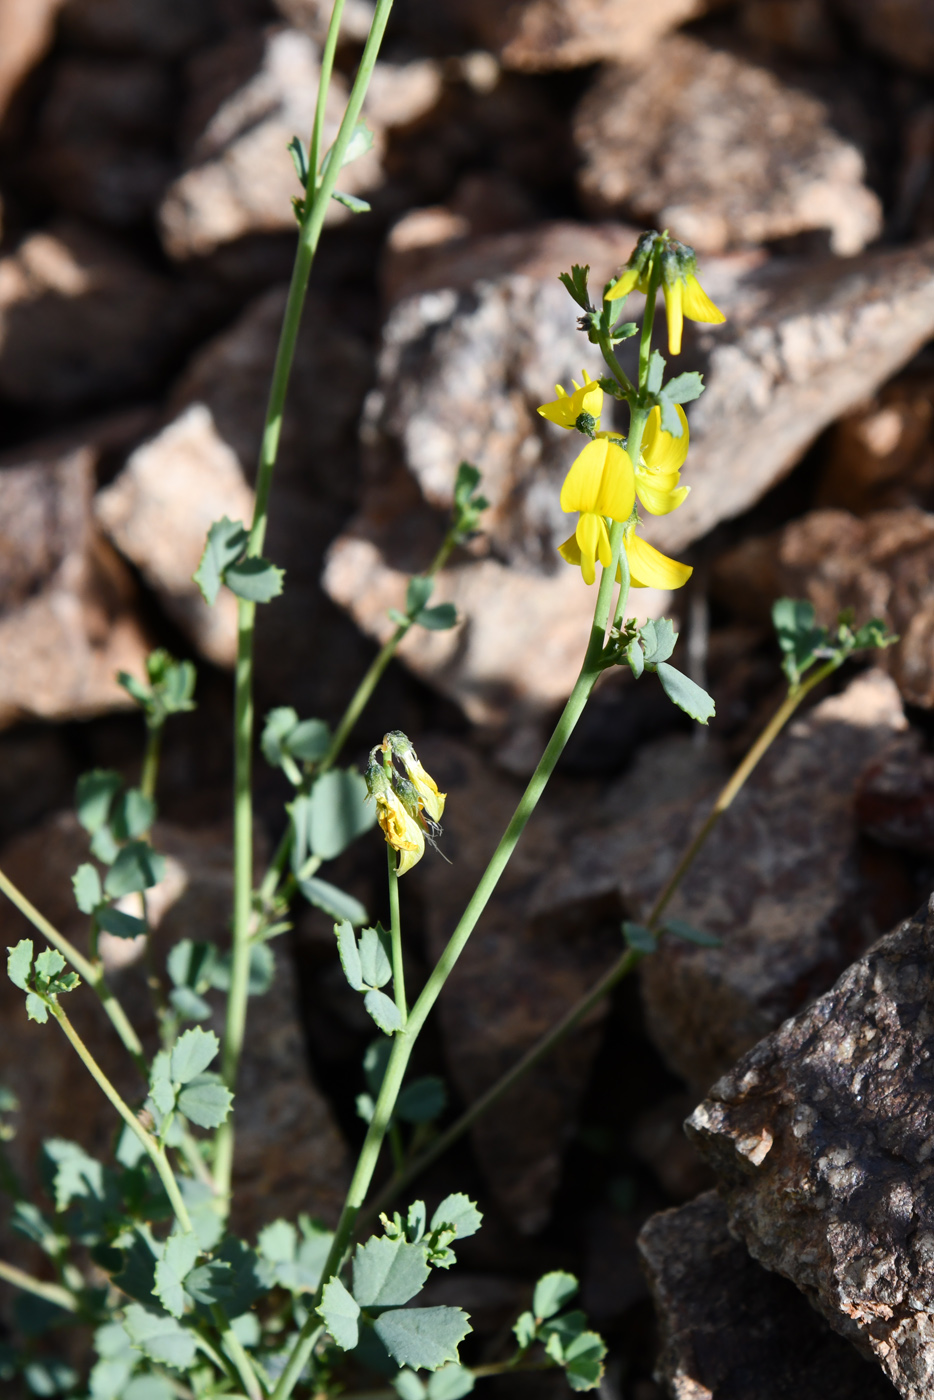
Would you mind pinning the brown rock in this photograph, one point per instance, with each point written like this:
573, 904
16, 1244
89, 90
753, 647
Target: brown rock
521, 969
250, 96
881, 455
161, 27
26, 29
880, 566
158, 513
702, 141
68, 618
822, 1138
538, 36
895, 797
289, 1155
901, 29
81, 319
657, 1139
731, 1329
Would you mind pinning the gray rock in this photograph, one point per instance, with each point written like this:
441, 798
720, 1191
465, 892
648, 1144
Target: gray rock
68, 606
822, 1136
731, 1330
880, 565
539, 36
719, 150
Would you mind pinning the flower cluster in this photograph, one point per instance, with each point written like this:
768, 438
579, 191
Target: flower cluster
684, 295
408, 803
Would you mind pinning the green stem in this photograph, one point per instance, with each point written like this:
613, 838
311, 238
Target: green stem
309, 235
51, 1292
91, 972
238, 1355
147, 782
648, 321
324, 83
149, 1143
398, 972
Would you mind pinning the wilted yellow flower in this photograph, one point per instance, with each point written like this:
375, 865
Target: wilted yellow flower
601, 484
401, 830
648, 567
567, 408
424, 784
684, 296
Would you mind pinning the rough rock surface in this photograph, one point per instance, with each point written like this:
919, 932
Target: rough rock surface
158, 513
81, 318
289, 1155
717, 149
731, 1330
520, 971
68, 619
540, 35
880, 565
778, 880
248, 99
822, 1138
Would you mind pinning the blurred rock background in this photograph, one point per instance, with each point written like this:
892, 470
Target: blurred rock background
146, 242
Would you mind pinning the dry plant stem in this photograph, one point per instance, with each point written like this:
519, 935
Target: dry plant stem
317, 202
620, 969
90, 972
51, 1292
153, 1149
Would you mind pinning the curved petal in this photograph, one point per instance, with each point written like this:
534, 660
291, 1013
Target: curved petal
581, 487
649, 568
697, 304
617, 494
590, 541
674, 312
559, 410
660, 500
624, 285
661, 452
570, 551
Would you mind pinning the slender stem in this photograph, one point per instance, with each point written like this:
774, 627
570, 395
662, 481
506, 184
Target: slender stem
91, 972
398, 971
149, 1143
648, 322
147, 782
238, 1355
324, 83
51, 1292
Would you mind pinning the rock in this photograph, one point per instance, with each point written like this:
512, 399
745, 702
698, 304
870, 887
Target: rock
158, 513
81, 319
165, 28
880, 566
716, 148
538, 36
881, 455
521, 969
895, 797
900, 29
821, 1137
104, 147
26, 30
729, 1328
68, 616
289, 1154
249, 97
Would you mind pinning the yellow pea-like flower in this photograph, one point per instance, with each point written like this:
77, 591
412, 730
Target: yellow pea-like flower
401, 830
600, 485
648, 567
660, 464
684, 296
567, 408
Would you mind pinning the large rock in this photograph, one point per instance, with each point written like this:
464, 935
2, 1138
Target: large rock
880, 565
289, 1154
68, 606
540, 35
880, 455
249, 97
822, 1138
901, 29
26, 30
522, 968
81, 319
730, 1329
703, 142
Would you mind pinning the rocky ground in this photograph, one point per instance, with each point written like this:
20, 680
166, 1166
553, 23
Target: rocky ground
146, 243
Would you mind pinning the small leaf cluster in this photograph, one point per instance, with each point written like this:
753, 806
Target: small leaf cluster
43, 981
440, 618
367, 962
225, 561
180, 1083
468, 504
647, 648
387, 1272
564, 1335
170, 690
117, 819
804, 642
600, 327
361, 141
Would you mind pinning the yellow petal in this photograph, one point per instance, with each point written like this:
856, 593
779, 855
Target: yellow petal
624, 285
649, 568
582, 484
697, 304
674, 312
589, 539
658, 500
661, 451
570, 551
560, 411
618, 485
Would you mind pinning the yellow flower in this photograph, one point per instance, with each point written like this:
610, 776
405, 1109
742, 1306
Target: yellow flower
567, 408
660, 465
684, 296
424, 784
633, 278
600, 484
648, 567
402, 831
